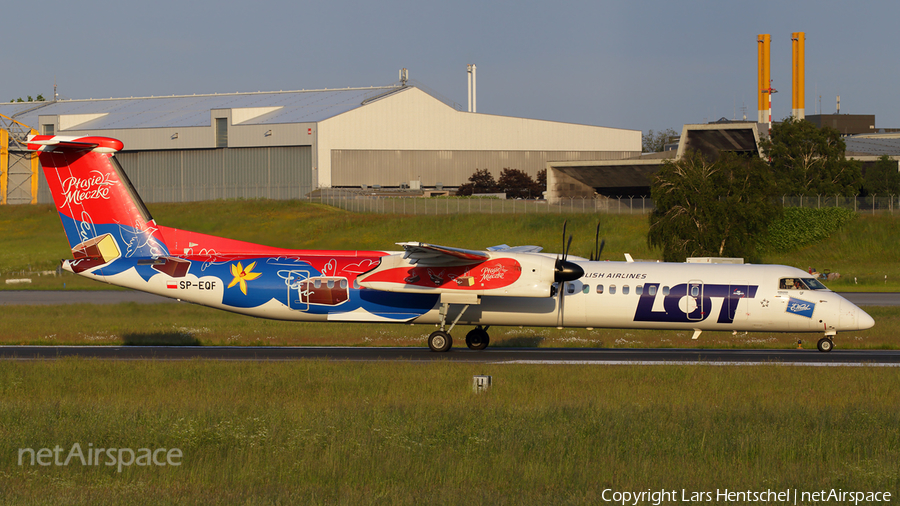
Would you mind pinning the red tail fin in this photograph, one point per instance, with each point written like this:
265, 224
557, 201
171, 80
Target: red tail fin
103, 216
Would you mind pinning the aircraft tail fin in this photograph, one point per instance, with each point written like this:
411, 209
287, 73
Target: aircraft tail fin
102, 214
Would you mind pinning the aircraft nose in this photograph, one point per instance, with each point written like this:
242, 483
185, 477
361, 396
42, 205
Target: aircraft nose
865, 321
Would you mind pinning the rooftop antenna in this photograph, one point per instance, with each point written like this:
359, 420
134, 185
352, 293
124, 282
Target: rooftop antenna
404, 76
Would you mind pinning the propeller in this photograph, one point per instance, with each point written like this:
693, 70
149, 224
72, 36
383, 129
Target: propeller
595, 253
565, 271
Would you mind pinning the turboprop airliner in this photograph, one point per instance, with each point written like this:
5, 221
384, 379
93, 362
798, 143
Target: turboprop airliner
114, 239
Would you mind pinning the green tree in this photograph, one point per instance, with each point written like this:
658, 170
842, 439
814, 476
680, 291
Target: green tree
705, 207
653, 142
518, 185
40, 98
481, 181
883, 178
810, 161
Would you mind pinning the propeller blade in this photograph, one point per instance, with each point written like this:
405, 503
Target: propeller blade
596, 248
560, 303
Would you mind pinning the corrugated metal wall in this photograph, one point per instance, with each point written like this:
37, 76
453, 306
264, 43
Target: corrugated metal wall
206, 174
451, 168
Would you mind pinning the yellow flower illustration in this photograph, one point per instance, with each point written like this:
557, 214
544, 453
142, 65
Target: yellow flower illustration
242, 275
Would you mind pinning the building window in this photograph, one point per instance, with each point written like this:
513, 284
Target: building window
221, 132
48, 129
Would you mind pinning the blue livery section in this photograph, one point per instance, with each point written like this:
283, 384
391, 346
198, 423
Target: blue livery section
701, 307
800, 307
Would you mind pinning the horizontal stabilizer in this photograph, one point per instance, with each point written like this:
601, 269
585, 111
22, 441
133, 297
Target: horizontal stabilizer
65, 143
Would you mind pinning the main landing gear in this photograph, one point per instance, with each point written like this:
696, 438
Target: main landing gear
476, 339
440, 340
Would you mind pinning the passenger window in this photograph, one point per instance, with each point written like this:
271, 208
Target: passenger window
343, 284
625, 290
356, 284
695, 291
330, 283
639, 289
652, 290
599, 288
612, 289
665, 290
570, 288
586, 289
317, 283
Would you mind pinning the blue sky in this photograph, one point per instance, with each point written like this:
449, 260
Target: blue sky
635, 64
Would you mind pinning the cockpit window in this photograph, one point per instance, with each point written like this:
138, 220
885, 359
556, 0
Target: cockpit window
814, 284
800, 284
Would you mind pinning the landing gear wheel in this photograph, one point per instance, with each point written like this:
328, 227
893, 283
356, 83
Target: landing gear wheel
825, 344
477, 339
440, 341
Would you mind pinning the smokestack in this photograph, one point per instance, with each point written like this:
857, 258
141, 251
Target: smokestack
473, 104
763, 78
798, 99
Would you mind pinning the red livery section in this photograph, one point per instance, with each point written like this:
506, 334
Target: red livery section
496, 273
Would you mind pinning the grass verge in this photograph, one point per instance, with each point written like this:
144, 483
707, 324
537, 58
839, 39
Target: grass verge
863, 251
318, 432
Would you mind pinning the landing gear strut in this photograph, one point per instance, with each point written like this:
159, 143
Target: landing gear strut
440, 340
825, 344
477, 338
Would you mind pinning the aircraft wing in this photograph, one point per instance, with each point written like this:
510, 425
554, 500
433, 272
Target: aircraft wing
430, 255
431, 269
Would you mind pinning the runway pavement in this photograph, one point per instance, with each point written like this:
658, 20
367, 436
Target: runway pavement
490, 356
37, 297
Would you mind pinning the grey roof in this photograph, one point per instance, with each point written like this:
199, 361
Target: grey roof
873, 144
185, 111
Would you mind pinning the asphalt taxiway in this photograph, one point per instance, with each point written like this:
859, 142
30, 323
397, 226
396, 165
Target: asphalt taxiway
570, 356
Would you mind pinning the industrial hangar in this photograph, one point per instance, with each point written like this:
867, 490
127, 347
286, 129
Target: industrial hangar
286, 145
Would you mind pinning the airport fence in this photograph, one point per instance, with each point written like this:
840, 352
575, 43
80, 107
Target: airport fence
362, 203
482, 205
413, 202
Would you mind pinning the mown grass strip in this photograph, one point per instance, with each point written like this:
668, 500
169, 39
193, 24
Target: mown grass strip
319, 432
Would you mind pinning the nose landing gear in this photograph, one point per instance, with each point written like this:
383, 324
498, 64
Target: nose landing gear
825, 344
